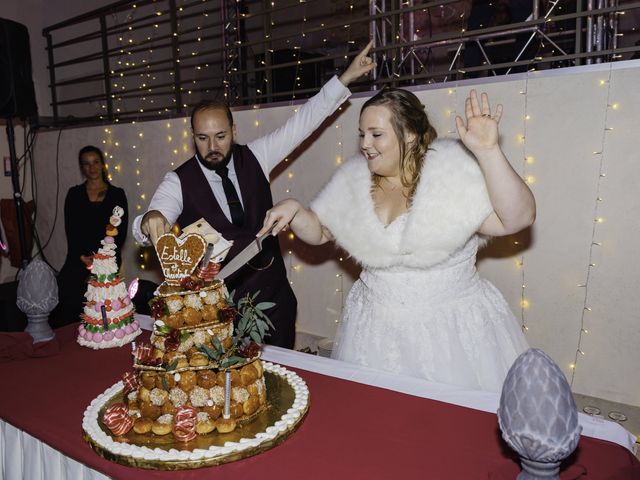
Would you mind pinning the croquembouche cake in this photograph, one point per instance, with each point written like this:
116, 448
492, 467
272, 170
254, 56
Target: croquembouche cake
195, 358
198, 392
108, 316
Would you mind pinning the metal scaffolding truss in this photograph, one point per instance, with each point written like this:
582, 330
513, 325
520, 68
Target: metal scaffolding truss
149, 59
232, 39
388, 30
401, 54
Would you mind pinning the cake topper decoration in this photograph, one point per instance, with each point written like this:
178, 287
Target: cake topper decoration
179, 257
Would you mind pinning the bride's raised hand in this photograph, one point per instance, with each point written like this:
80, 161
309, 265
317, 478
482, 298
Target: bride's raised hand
480, 133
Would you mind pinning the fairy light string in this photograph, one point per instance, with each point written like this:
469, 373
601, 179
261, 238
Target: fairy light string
452, 114
339, 290
597, 221
529, 179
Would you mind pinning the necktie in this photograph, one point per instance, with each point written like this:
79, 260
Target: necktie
235, 207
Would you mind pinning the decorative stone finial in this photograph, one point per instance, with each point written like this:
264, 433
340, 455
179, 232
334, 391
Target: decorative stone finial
37, 297
538, 415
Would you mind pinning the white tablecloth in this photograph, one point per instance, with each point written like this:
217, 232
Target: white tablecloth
24, 457
595, 427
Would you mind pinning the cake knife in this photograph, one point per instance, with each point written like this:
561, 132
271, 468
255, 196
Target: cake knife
243, 257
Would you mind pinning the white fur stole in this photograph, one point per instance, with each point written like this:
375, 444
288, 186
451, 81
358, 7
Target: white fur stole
450, 204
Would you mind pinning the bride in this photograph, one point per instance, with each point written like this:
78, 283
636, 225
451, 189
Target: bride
413, 210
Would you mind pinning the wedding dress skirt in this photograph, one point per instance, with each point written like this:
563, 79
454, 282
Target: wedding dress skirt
444, 323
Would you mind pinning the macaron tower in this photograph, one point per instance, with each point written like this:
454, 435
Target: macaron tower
107, 320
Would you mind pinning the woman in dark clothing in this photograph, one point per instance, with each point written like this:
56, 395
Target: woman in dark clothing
87, 209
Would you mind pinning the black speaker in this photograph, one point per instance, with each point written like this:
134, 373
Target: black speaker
17, 96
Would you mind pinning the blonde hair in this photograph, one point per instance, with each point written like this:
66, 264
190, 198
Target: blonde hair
407, 116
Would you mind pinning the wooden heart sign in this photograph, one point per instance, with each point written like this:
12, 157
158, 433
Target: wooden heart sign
179, 257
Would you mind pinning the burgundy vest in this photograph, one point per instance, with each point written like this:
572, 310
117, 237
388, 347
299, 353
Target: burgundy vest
199, 202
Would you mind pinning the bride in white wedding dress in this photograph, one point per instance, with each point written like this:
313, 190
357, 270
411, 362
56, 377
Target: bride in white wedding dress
412, 210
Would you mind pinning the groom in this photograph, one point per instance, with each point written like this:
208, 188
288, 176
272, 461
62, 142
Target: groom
227, 184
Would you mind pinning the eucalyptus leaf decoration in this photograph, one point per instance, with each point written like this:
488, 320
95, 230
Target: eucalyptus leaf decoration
252, 326
165, 385
214, 353
229, 361
171, 366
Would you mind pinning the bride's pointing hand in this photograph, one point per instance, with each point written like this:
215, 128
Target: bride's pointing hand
481, 130
361, 65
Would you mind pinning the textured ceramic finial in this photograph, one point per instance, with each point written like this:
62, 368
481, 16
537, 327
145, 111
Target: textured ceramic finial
37, 296
538, 416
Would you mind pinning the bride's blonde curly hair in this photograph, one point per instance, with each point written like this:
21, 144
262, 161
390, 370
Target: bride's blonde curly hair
407, 116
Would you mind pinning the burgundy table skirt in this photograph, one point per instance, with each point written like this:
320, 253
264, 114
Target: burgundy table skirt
352, 431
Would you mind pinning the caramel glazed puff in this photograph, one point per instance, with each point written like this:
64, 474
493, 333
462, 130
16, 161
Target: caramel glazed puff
193, 309
160, 393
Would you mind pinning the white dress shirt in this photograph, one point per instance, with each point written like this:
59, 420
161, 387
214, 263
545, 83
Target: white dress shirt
269, 150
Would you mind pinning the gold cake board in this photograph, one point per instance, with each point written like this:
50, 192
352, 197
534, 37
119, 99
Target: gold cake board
280, 398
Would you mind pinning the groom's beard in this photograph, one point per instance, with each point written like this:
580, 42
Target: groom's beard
214, 160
